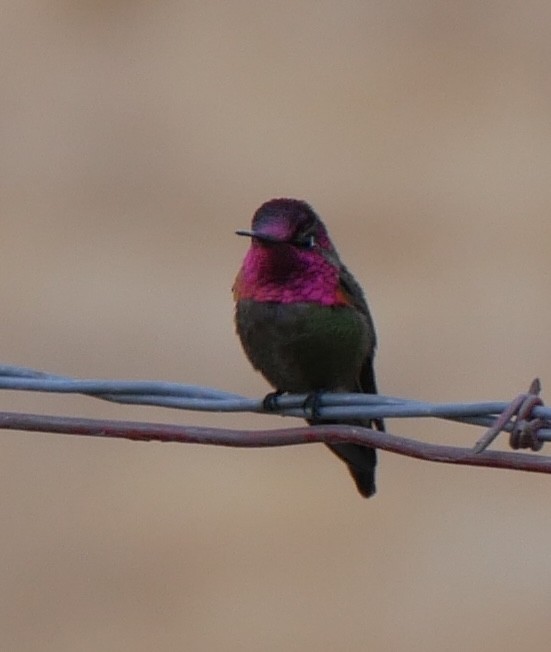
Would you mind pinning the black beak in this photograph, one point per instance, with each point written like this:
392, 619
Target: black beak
264, 237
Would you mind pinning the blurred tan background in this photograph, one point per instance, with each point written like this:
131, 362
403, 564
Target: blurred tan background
135, 137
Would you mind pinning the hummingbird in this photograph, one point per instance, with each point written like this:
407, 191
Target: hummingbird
303, 320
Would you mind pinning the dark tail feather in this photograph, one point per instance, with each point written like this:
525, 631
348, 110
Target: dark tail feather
361, 462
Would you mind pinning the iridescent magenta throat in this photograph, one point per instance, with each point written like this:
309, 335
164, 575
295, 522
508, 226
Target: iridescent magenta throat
283, 275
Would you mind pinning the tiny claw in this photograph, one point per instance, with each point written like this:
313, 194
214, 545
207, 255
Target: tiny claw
312, 404
270, 402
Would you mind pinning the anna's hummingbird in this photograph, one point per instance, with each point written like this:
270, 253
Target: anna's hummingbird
302, 318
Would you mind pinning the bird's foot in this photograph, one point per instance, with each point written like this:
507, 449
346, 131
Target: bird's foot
312, 405
270, 402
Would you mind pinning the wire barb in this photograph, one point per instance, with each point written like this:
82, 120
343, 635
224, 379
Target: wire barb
524, 428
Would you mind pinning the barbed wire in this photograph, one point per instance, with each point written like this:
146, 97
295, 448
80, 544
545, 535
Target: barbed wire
526, 418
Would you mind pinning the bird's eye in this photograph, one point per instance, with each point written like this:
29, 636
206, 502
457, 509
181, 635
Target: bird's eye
306, 242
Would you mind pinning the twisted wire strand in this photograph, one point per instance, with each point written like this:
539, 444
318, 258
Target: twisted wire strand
191, 397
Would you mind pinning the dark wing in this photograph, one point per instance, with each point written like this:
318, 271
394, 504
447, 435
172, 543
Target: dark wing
355, 295
361, 460
353, 292
368, 384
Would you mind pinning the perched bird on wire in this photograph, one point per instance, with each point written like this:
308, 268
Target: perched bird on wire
303, 319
